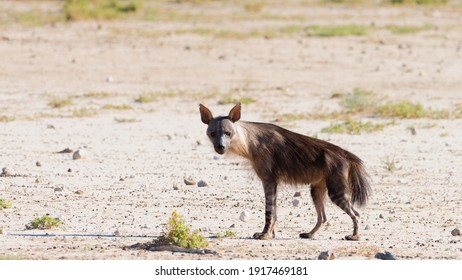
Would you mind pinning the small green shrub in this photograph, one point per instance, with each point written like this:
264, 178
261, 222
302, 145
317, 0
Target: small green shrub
359, 100
350, 126
100, 9
406, 29
418, 2
408, 110
5, 204
146, 98
99, 95
180, 234
45, 222
83, 113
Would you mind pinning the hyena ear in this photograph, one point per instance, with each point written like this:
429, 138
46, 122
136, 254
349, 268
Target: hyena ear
235, 113
206, 115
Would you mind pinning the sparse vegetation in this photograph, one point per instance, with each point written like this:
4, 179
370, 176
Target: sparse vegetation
350, 126
408, 110
83, 112
7, 119
100, 9
45, 222
389, 164
229, 99
359, 101
407, 29
60, 103
127, 120
117, 107
180, 234
99, 95
146, 98
4, 204
336, 31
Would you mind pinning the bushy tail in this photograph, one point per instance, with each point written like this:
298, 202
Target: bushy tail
359, 182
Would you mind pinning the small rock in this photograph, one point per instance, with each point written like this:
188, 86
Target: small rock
39, 180
326, 255
387, 256
176, 187
69, 170
6, 172
38, 164
202, 183
296, 202
245, 216
329, 224
110, 79
216, 157
79, 192
297, 194
381, 216
232, 226
65, 151
367, 227
59, 189
78, 154
189, 181
2, 231
117, 232
455, 232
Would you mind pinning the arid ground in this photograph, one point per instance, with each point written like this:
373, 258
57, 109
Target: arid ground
126, 92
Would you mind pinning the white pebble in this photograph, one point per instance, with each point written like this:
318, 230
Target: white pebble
78, 154
245, 216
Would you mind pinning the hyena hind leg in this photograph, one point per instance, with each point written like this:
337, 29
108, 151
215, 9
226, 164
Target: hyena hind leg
318, 194
340, 199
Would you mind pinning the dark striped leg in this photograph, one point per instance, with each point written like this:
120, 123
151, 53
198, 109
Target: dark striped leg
318, 194
269, 231
341, 201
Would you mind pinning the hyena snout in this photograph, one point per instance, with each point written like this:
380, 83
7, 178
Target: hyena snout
220, 149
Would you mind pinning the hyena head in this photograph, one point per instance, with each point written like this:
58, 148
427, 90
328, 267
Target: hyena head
221, 130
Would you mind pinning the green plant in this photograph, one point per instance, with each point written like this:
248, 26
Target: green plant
45, 222
146, 98
408, 110
350, 126
389, 164
60, 103
83, 112
229, 99
5, 204
99, 95
230, 234
100, 9
418, 2
180, 234
336, 30
407, 29
359, 100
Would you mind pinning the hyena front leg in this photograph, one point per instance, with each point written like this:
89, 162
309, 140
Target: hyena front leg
269, 230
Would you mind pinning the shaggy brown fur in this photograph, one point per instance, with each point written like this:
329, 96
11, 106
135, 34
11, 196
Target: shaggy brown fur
281, 156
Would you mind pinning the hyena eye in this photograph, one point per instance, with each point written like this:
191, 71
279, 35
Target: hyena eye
227, 133
213, 134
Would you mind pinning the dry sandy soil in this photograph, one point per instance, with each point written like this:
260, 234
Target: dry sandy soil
135, 157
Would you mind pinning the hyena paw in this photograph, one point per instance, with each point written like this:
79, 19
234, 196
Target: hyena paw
352, 237
263, 235
307, 235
